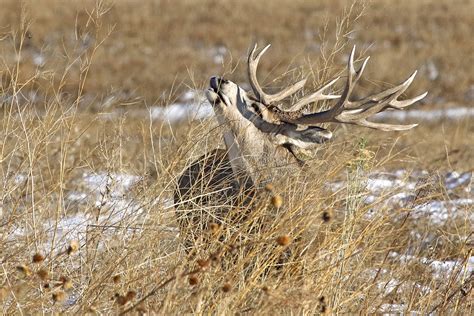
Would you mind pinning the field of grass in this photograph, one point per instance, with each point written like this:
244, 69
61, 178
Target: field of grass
378, 223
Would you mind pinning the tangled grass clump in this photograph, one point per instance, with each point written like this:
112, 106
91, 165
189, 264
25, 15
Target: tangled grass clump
87, 226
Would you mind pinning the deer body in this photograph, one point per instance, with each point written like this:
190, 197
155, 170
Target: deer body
262, 136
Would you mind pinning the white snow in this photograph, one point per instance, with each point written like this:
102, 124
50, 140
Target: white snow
189, 96
377, 184
218, 54
454, 180
116, 184
431, 70
398, 189
392, 309
75, 227
39, 59
455, 113
440, 269
20, 179
389, 286
112, 209
440, 211
76, 196
193, 105
179, 112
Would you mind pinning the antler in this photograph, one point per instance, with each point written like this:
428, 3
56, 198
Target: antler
270, 99
354, 112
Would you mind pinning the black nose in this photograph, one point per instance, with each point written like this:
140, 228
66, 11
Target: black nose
215, 83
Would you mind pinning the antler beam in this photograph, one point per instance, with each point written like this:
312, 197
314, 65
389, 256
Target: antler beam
355, 112
257, 89
270, 99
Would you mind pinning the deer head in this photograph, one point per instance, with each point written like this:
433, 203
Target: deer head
257, 122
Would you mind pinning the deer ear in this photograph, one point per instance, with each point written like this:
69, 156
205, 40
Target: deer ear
308, 137
315, 135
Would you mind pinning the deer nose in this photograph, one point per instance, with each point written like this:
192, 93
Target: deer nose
216, 83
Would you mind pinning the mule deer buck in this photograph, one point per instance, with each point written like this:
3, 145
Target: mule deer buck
263, 135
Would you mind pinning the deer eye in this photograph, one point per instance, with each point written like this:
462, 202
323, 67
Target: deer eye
256, 109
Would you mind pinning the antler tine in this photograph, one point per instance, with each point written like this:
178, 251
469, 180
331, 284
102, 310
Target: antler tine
353, 77
376, 105
371, 107
400, 104
316, 96
357, 112
263, 97
379, 96
327, 116
385, 127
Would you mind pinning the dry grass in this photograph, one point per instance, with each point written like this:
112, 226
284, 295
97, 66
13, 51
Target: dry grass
157, 45
86, 223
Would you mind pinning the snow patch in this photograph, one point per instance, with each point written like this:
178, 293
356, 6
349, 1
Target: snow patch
376, 184
457, 113
440, 269
440, 211
39, 59
392, 309
193, 105
454, 180
114, 184
179, 112
398, 189
218, 54
112, 209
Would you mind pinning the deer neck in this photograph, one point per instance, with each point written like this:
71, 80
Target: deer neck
249, 150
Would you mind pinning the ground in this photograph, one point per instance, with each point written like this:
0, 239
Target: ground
102, 109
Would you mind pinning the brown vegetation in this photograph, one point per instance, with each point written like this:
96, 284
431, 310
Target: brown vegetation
157, 47
86, 225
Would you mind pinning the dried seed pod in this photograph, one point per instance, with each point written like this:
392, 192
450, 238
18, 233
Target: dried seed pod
116, 278
215, 257
204, 264
226, 287
120, 299
269, 187
73, 247
193, 280
37, 258
24, 270
214, 228
283, 240
66, 282
59, 296
327, 216
43, 274
277, 201
131, 295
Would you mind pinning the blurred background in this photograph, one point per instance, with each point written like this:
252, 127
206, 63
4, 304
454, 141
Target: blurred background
157, 49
